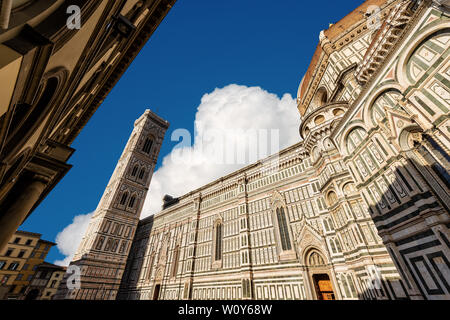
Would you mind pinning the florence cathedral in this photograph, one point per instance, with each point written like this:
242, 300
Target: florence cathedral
357, 209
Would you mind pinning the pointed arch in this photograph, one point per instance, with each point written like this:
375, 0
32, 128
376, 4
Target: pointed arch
124, 198
141, 173
134, 170
218, 238
332, 198
147, 146
283, 233
422, 39
354, 138
132, 202
315, 259
283, 229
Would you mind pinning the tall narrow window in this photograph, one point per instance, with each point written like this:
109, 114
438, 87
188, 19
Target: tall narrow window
115, 245
123, 201
141, 174
132, 202
283, 228
122, 247
218, 253
147, 146
100, 243
135, 170
176, 255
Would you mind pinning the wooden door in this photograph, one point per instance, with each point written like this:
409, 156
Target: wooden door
324, 289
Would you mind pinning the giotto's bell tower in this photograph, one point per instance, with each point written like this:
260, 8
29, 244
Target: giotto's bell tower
102, 254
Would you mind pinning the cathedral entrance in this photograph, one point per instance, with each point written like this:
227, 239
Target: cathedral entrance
319, 276
156, 292
323, 287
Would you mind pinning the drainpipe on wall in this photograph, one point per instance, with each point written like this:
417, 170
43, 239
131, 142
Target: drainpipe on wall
5, 13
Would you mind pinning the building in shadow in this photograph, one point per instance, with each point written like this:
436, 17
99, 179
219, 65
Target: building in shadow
55, 71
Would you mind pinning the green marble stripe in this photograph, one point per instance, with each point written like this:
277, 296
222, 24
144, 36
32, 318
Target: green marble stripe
442, 79
435, 101
424, 105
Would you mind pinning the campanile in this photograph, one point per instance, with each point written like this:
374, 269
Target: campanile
103, 251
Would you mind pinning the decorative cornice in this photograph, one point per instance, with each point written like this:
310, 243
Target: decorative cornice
384, 41
411, 24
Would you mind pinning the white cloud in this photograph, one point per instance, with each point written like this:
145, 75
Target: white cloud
231, 111
70, 238
226, 110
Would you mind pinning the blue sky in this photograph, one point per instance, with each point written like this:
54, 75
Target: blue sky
200, 46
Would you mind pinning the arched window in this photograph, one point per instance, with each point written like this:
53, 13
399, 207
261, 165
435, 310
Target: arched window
320, 99
135, 170
108, 245
142, 173
283, 229
332, 198
218, 251
132, 202
147, 145
123, 201
176, 256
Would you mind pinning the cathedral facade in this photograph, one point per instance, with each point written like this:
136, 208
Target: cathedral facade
359, 209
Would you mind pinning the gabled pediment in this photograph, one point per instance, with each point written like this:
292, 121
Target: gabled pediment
307, 239
398, 120
277, 200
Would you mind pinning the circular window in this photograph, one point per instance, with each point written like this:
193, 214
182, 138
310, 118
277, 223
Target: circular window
319, 120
